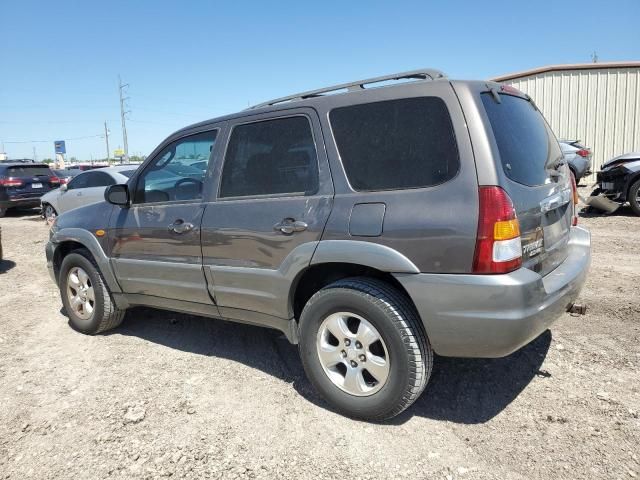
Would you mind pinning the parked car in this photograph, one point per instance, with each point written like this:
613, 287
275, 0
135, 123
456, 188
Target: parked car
578, 157
83, 167
618, 182
65, 175
83, 189
373, 227
22, 184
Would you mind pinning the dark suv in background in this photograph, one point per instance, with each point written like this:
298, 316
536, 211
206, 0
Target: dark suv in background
373, 226
22, 184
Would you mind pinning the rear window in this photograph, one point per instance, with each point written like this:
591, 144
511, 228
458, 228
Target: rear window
396, 144
525, 141
27, 171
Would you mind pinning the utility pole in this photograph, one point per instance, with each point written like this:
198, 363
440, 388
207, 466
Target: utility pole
34, 154
106, 138
122, 117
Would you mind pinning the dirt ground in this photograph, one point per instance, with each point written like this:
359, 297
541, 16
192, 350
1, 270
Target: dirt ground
175, 395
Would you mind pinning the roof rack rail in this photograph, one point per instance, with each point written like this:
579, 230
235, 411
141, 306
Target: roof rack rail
421, 74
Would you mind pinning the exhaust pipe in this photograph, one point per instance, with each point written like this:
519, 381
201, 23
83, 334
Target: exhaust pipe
577, 309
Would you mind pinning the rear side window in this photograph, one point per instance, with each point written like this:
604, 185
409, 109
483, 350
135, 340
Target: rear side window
396, 144
26, 171
269, 158
525, 141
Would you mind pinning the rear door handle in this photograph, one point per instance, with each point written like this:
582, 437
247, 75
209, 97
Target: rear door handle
289, 226
180, 226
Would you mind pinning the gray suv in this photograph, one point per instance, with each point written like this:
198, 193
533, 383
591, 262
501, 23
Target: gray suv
374, 227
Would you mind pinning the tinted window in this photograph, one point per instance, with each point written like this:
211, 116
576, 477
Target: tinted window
99, 179
26, 171
270, 157
91, 179
79, 181
172, 176
396, 144
525, 142
127, 173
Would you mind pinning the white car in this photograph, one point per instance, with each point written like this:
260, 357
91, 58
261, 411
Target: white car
85, 188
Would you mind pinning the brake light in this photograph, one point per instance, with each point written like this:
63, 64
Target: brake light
583, 152
54, 180
574, 190
498, 245
10, 182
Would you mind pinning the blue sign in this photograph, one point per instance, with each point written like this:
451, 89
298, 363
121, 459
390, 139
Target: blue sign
60, 146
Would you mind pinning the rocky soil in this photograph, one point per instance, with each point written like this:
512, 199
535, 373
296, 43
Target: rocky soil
169, 395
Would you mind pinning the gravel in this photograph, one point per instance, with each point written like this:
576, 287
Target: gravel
170, 395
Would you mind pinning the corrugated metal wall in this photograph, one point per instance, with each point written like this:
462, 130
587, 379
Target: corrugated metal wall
601, 107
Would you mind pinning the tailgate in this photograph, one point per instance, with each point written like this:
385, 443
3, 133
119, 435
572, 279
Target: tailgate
33, 180
536, 178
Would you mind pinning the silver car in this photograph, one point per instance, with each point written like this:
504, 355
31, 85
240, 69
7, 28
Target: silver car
84, 189
578, 157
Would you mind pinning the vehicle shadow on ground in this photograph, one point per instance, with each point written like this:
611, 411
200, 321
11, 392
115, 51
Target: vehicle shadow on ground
6, 265
460, 390
23, 212
623, 211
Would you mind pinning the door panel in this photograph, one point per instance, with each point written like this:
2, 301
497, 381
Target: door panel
150, 258
274, 200
252, 263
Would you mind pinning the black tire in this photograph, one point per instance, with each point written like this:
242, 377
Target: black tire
632, 196
398, 323
45, 207
105, 315
3, 212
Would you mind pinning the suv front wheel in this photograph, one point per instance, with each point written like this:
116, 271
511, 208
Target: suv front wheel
363, 348
85, 296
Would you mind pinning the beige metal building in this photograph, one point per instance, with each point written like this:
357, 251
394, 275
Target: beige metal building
598, 103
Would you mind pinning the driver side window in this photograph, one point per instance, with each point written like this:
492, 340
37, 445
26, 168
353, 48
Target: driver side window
178, 172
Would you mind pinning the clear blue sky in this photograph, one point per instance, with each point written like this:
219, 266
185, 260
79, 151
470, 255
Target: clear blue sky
187, 61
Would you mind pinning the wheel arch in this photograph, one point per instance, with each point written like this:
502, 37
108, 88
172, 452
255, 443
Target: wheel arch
319, 275
71, 239
633, 178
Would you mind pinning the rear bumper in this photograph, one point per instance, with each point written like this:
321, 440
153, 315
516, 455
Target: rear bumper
20, 202
494, 315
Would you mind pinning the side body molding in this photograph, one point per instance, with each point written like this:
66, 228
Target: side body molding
369, 254
91, 243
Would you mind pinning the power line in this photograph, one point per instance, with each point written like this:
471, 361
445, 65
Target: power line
50, 141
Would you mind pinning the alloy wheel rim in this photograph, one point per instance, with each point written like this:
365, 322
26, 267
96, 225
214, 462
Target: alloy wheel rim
49, 213
80, 293
353, 354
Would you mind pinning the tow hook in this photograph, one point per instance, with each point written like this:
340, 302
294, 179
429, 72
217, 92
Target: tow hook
577, 309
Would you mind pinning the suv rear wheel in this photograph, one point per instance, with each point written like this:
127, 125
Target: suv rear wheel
364, 349
85, 295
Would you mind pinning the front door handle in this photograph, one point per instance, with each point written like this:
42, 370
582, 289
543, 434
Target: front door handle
289, 225
180, 226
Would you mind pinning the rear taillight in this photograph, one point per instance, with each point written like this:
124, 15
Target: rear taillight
498, 245
54, 180
583, 152
10, 182
574, 190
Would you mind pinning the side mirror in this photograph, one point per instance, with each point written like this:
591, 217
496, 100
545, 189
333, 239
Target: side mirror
117, 195
63, 187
